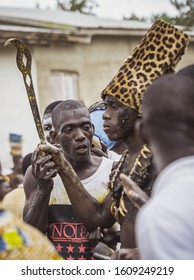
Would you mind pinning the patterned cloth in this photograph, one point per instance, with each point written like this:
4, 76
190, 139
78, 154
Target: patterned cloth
68, 234
65, 230
20, 241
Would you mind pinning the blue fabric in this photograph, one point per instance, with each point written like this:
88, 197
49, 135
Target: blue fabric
96, 118
16, 138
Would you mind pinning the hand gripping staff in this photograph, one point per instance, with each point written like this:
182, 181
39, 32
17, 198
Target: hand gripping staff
24, 60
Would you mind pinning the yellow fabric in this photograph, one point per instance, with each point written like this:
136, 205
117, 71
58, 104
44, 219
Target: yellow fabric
20, 241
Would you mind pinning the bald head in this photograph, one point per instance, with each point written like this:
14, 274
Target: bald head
168, 119
168, 102
187, 71
65, 106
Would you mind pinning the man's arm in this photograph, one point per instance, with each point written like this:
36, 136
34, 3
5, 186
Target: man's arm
92, 213
37, 190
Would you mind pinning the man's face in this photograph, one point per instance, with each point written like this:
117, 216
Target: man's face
74, 133
47, 127
119, 120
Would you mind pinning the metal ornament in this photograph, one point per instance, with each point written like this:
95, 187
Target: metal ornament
24, 60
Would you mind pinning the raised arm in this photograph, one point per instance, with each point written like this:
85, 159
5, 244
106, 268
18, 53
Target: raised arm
38, 185
92, 213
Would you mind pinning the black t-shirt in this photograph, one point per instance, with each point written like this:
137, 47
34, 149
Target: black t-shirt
69, 236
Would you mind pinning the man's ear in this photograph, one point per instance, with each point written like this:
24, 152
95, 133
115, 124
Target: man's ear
93, 128
54, 137
141, 131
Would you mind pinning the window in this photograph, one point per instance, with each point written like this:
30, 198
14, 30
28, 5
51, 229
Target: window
64, 85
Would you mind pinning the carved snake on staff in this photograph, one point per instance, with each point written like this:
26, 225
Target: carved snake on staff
24, 62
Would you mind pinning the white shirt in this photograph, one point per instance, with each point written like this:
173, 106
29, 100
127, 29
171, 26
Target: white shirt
113, 156
96, 184
165, 224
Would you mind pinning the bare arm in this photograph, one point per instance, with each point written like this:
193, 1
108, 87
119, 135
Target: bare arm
37, 189
92, 213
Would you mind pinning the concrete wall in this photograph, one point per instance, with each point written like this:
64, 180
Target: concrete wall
95, 64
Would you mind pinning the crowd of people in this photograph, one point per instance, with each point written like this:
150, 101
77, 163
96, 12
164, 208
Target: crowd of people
113, 181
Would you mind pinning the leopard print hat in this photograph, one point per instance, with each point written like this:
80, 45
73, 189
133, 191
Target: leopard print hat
158, 53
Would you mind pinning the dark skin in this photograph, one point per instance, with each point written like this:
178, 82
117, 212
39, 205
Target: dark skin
34, 182
133, 191
16, 177
124, 129
75, 162
119, 147
47, 127
119, 124
169, 138
5, 185
93, 214
138, 198
174, 139
5, 188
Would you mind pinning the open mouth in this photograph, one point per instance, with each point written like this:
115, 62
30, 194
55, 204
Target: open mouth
82, 148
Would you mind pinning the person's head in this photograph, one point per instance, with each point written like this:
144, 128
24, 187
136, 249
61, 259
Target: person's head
96, 114
73, 129
158, 53
17, 161
47, 120
119, 120
167, 124
187, 71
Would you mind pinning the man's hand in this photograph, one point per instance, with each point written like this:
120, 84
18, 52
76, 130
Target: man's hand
133, 191
61, 164
126, 254
43, 167
108, 236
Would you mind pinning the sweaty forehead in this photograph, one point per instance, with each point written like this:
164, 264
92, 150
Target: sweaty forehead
111, 99
73, 116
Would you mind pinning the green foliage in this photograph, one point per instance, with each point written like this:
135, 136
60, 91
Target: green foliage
185, 11
81, 6
133, 16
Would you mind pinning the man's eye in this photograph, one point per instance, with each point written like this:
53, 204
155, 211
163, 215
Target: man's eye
68, 129
114, 106
105, 105
86, 127
47, 128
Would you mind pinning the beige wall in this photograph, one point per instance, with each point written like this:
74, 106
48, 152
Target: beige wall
95, 64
